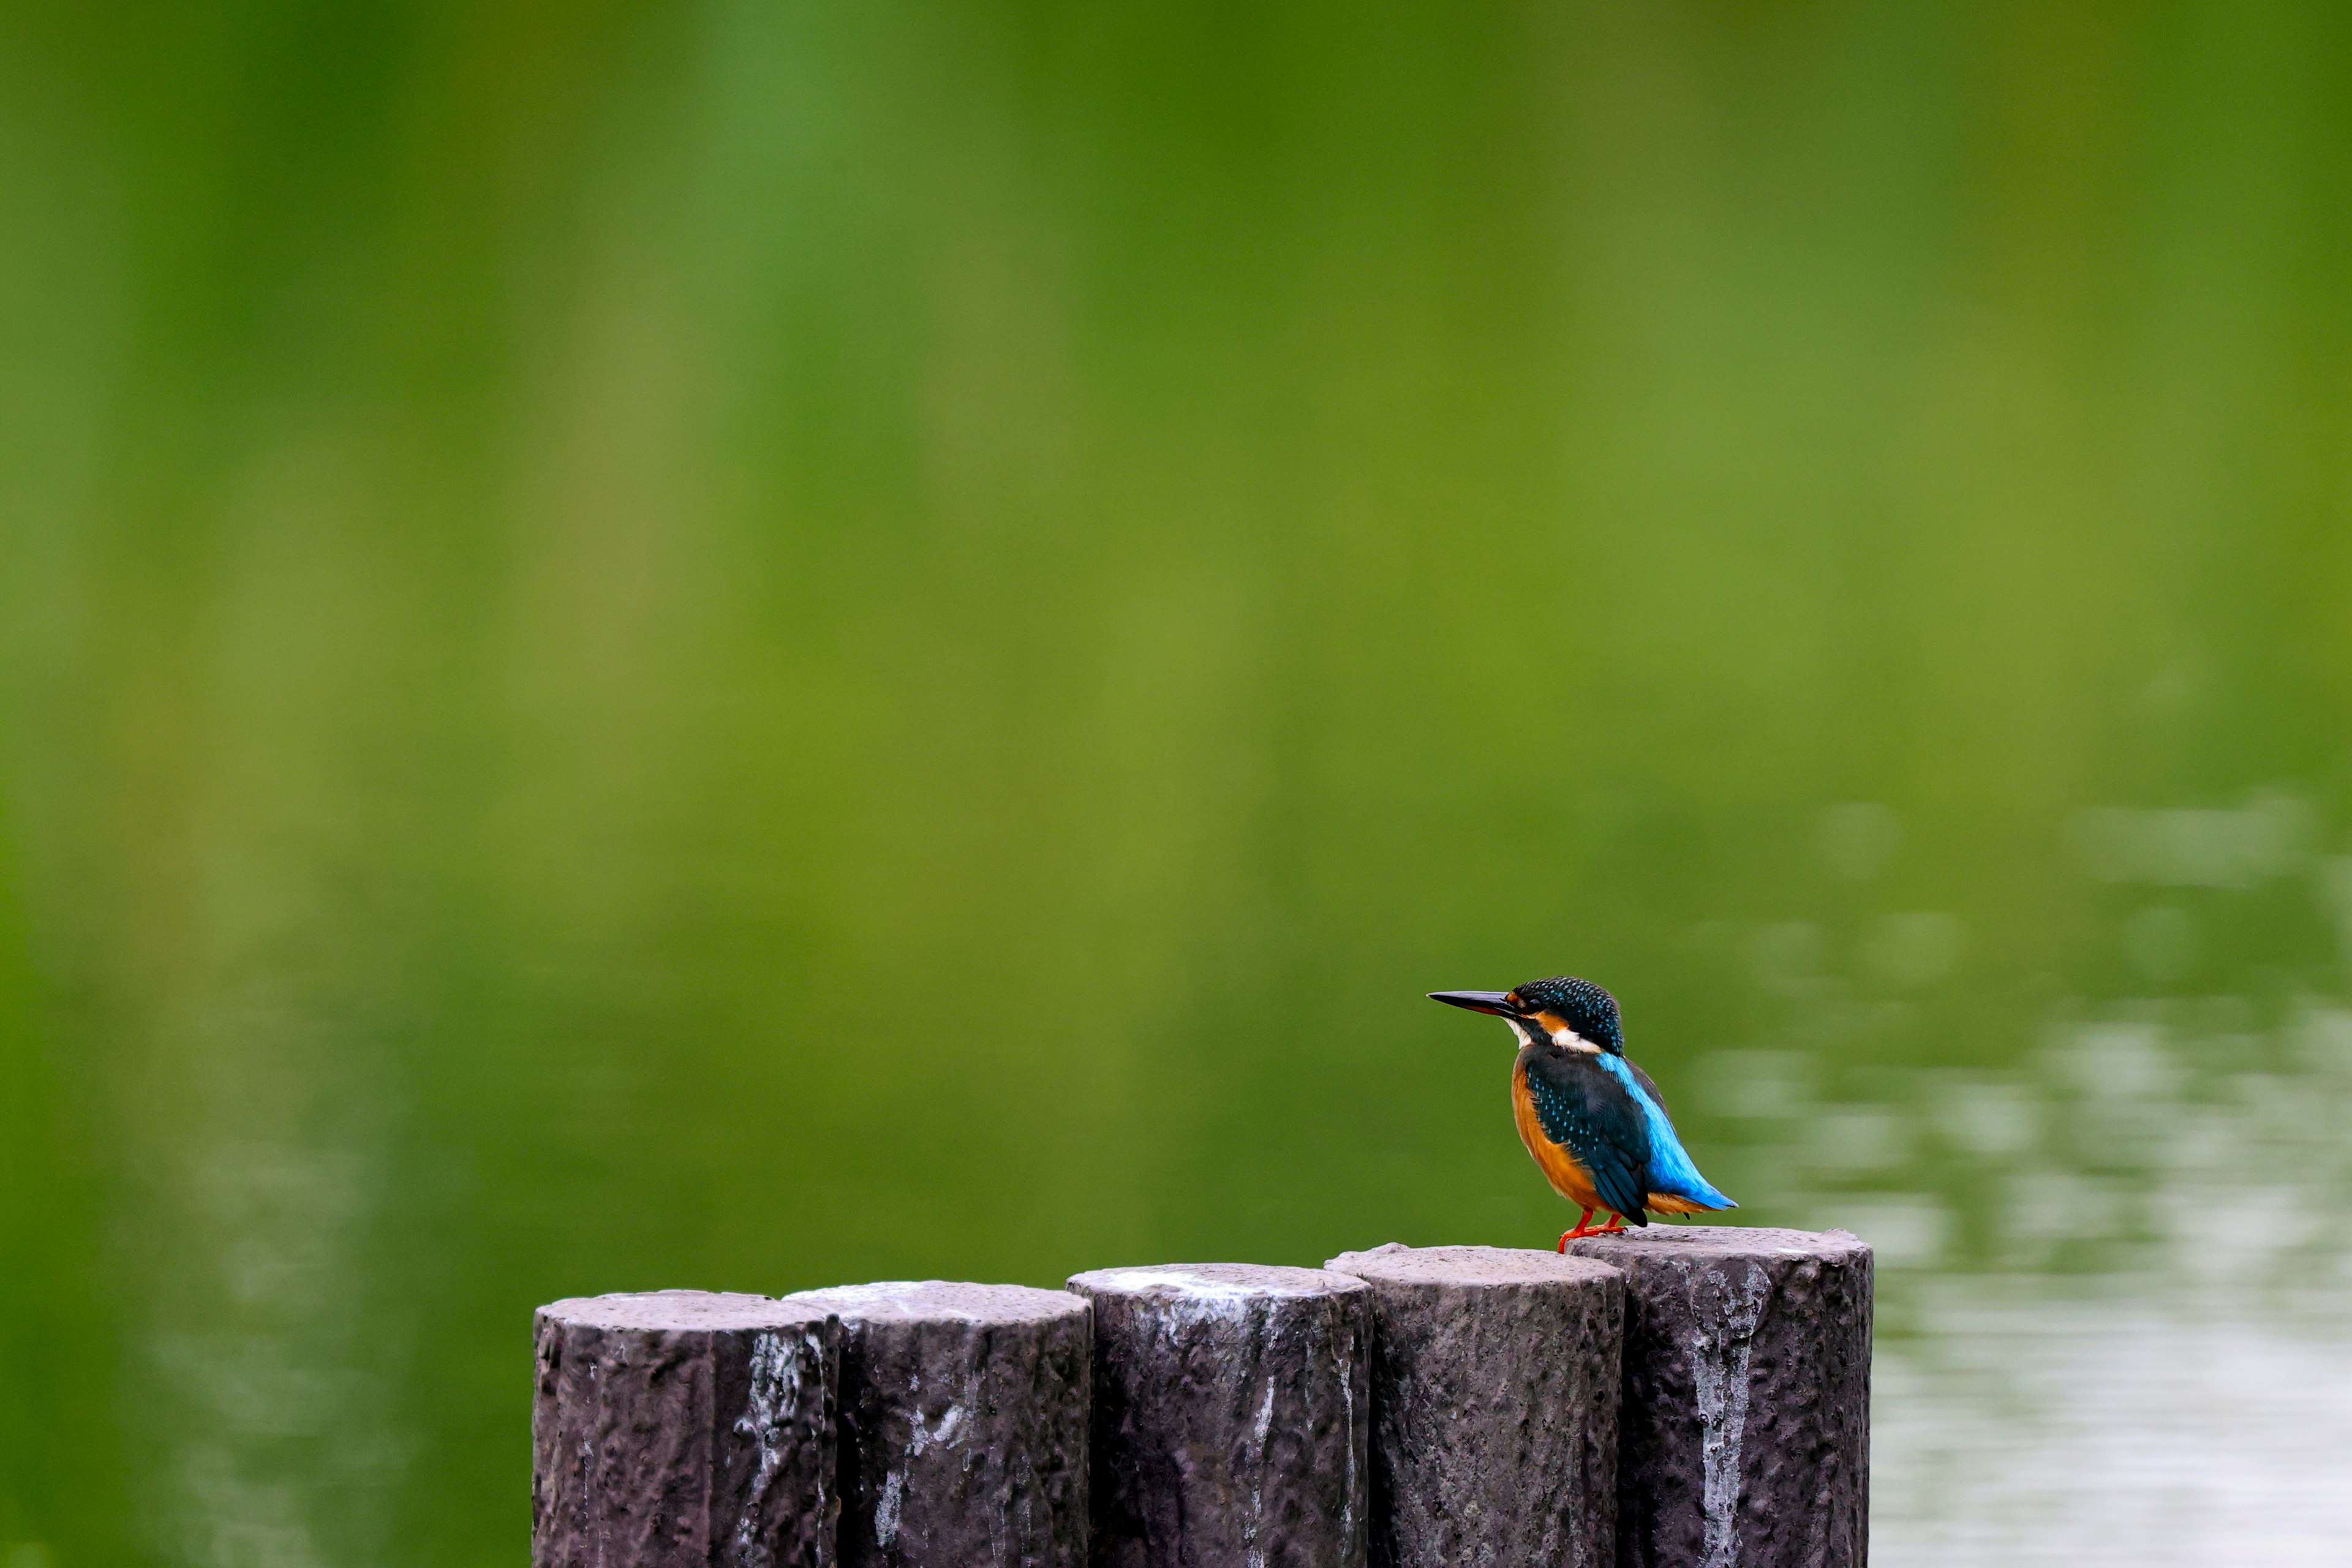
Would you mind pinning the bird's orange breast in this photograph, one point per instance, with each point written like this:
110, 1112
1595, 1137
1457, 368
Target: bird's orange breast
1567, 1177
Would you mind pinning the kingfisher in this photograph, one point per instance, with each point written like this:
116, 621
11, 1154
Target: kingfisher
1595, 1124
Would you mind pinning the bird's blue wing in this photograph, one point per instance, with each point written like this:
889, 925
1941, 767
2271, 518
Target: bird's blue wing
1671, 1169
1595, 1118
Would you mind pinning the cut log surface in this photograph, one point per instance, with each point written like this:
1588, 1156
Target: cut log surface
1495, 1387
1233, 1410
964, 1425
682, 1429
1747, 1407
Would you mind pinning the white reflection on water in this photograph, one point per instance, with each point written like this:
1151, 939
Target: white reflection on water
2159, 1368
2140, 1424
2183, 847
2116, 1281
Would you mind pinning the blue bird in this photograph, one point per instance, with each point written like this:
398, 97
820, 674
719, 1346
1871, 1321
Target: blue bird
1595, 1124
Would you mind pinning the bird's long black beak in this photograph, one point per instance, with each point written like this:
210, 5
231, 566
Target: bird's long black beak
1494, 1002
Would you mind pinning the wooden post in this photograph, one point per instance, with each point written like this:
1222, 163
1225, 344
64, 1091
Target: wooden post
1495, 1387
964, 1424
680, 1429
1233, 1406
1747, 1407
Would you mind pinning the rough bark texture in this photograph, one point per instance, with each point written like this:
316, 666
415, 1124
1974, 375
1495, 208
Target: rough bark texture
964, 1424
683, 1430
1746, 1409
1495, 1389
1233, 1408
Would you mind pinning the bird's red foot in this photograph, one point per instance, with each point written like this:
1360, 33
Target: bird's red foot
1585, 1226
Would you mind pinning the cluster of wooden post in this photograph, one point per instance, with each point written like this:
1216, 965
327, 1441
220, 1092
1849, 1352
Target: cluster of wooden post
1696, 1396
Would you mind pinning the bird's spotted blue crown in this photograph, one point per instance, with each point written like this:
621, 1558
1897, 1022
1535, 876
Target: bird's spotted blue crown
1583, 1006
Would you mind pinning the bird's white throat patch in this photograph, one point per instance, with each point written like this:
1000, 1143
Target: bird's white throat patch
1559, 1035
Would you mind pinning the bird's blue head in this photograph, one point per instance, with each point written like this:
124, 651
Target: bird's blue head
1563, 1009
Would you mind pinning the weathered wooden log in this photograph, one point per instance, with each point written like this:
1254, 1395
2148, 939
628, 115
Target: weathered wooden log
1747, 1407
1495, 1387
1233, 1406
680, 1429
964, 1424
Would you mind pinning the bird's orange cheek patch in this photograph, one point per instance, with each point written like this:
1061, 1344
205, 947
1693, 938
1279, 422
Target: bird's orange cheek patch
1560, 1032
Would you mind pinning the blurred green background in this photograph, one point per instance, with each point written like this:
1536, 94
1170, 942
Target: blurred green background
752, 644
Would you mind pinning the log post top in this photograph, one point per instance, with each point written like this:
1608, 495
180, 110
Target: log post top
932, 1300
1211, 1283
1471, 1268
1710, 1243
680, 1311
